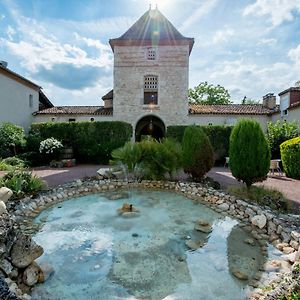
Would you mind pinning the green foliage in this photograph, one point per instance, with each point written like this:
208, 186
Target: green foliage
205, 93
12, 137
91, 141
290, 155
130, 155
261, 195
22, 183
249, 152
149, 159
280, 132
12, 163
218, 136
247, 100
197, 152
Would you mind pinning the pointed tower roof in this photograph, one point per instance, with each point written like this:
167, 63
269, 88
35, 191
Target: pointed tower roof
152, 28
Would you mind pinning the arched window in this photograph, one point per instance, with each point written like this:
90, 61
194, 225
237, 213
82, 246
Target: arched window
150, 89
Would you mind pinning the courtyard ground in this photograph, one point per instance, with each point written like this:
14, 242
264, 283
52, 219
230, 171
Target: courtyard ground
290, 188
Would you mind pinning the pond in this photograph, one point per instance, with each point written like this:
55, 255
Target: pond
170, 249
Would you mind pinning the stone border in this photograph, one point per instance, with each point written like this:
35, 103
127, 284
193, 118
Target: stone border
280, 230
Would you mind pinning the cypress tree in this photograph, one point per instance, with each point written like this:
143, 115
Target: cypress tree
197, 152
249, 152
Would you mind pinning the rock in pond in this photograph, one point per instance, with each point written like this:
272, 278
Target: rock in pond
5, 194
193, 245
203, 226
24, 251
239, 274
128, 211
3, 209
32, 274
259, 220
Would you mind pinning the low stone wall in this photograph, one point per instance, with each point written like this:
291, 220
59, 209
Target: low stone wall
280, 230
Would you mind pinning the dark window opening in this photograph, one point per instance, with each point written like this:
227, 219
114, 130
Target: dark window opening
150, 97
150, 89
72, 120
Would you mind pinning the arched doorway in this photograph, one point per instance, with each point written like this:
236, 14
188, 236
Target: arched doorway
149, 126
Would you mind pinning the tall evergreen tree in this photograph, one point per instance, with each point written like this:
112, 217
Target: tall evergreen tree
249, 152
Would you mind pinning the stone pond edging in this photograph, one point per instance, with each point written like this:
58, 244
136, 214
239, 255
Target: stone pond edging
265, 225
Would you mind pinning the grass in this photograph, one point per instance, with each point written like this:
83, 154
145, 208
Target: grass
263, 196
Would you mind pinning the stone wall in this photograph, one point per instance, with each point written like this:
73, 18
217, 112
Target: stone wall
171, 67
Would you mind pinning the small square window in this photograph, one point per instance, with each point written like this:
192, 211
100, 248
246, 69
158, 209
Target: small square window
151, 54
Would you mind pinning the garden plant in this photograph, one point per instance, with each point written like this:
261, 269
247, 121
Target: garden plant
249, 152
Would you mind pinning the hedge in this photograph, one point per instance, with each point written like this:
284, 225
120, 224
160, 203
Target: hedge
91, 141
290, 155
218, 136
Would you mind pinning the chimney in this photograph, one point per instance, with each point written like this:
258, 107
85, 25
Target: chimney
3, 64
269, 101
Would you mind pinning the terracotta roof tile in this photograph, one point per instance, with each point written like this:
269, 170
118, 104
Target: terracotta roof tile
152, 26
76, 110
294, 105
234, 109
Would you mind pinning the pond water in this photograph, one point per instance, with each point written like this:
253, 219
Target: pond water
98, 254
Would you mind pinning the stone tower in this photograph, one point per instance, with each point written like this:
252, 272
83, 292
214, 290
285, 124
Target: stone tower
151, 65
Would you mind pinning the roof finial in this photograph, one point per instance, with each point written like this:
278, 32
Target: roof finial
150, 6
156, 6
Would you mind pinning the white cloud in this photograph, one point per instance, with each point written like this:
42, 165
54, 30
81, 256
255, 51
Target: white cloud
2, 17
277, 10
222, 35
202, 11
10, 32
38, 47
251, 79
267, 42
294, 55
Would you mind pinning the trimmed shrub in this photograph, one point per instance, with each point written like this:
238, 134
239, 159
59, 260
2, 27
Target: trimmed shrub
197, 152
290, 155
218, 136
12, 163
280, 132
50, 148
91, 141
249, 152
12, 137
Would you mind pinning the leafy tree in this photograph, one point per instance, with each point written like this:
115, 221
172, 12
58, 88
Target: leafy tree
247, 100
249, 154
11, 137
205, 93
280, 132
197, 152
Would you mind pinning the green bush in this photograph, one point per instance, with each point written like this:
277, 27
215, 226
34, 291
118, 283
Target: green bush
290, 155
92, 142
12, 137
249, 152
22, 183
261, 195
280, 132
12, 163
197, 152
218, 136
149, 159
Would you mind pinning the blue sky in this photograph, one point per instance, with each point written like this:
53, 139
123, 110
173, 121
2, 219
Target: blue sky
251, 47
